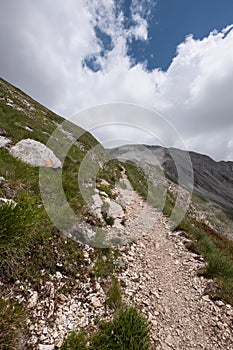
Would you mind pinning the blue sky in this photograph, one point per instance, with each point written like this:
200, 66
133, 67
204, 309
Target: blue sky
172, 56
173, 20
169, 22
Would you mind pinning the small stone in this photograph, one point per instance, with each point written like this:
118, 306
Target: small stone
55, 334
219, 303
95, 302
45, 330
220, 326
58, 275
46, 347
73, 307
4, 141
33, 300
169, 340
206, 298
31, 328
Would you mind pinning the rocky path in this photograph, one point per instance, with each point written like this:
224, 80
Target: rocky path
162, 276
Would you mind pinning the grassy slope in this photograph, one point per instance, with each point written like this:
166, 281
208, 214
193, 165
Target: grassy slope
31, 248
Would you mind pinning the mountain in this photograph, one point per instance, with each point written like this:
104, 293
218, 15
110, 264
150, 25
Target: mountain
212, 181
89, 252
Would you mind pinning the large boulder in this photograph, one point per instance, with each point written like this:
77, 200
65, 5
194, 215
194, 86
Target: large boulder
35, 153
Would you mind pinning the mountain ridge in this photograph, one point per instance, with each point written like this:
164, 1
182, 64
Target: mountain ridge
212, 179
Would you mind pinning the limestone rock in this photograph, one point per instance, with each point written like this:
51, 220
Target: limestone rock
46, 347
115, 210
8, 202
4, 141
35, 153
33, 300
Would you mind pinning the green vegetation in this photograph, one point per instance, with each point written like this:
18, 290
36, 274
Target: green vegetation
31, 247
105, 262
218, 252
114, 294
137, 179
12, 324
128, 330
75, 341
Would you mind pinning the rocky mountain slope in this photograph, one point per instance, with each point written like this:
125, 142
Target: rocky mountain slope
212, 181
70, 270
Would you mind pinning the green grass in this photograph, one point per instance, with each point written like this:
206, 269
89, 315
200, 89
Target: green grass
12, 325
114, 294
75, 341
105, 262
128, 330
217, 251
137, 179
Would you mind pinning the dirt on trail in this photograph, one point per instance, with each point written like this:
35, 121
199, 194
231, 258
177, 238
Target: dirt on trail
162, 277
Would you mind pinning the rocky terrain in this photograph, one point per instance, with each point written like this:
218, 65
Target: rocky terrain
212, 199
212, 179
159, 274
54, 281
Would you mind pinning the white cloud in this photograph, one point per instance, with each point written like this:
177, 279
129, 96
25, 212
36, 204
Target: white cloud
43, 53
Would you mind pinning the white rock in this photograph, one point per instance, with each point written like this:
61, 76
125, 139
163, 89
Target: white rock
115, 210
35, 153
219, 303
95, 302
97, 201
55, 334
33, 300
46, 347
8, 202
58, 275
4, 141
104, 194
45, 330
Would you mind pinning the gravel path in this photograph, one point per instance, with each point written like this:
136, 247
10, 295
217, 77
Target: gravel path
162, 276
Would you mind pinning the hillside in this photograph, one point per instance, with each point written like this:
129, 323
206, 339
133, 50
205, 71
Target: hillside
89, 255
212, 185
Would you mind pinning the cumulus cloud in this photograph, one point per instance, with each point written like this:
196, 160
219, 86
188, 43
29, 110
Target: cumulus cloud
53, 52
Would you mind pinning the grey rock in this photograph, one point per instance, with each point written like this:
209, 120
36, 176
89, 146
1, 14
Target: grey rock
115, 210
4, 141
35, 153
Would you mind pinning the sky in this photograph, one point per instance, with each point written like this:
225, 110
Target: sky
174, 57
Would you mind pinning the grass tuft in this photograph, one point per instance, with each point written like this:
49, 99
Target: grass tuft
128, 330
114, 294
12, 323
